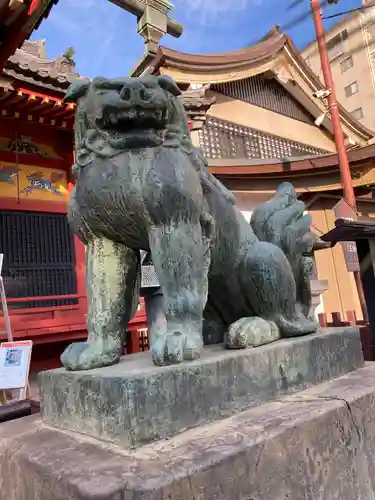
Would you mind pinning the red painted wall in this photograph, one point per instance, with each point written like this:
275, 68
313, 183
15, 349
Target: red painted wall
51, 325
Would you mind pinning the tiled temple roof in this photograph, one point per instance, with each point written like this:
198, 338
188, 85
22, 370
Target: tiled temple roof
31, 64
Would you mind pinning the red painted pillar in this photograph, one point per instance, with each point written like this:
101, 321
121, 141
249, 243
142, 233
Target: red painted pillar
346, 178
80, 264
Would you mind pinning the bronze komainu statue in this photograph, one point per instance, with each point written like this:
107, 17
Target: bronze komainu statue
141, 185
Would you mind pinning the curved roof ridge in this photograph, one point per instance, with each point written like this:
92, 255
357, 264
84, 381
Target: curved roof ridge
266, 47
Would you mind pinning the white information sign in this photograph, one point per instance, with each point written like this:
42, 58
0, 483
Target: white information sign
15, 364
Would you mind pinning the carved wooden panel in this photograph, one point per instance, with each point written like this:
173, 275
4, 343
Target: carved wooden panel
266, 93
222, 139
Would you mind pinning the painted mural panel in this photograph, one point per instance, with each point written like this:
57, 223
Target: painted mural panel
33, 182
26, 145
8, 180
24, 138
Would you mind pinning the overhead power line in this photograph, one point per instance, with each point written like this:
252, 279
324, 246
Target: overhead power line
307, 13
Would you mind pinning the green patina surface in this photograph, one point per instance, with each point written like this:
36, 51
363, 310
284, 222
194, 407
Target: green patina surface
141, 185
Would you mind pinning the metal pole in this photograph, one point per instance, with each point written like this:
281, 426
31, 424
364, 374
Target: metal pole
346, 178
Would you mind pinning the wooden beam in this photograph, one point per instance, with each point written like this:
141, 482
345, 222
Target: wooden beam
15, 8
132, 6
14, 410
12, 37
4, 5
137, 8
153, 20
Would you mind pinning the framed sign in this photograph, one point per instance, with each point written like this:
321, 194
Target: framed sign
350, 255
343, 210
15, 364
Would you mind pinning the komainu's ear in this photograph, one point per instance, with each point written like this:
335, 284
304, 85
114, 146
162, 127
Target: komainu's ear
76, 90
169, 85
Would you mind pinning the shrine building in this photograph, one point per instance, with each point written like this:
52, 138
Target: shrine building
263, 124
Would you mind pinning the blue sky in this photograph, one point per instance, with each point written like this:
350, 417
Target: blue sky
106, 41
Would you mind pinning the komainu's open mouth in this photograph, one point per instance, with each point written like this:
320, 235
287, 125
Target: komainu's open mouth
131, 119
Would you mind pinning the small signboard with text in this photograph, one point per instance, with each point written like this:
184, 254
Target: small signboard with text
343, 210
15, 364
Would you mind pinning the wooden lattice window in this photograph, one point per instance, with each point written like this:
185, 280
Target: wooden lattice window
38, 257
266, 93
222, 139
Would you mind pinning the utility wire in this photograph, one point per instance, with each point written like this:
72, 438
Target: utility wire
358, 9
301, 17
307, 13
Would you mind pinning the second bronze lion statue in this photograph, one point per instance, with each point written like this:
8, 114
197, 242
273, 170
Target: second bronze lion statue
141, 185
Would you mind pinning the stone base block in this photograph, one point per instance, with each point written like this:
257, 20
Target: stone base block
318, 444
135, 402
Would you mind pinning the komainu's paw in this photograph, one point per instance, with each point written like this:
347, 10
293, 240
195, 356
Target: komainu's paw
251, 332
87, 355
175, 348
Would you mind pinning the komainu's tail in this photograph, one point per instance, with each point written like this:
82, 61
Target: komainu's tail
283, 222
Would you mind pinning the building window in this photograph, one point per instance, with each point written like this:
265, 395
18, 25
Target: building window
357, 113
346, 64
307, 61
351, 89
335, 45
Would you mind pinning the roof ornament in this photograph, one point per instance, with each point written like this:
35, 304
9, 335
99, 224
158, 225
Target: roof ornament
282, 75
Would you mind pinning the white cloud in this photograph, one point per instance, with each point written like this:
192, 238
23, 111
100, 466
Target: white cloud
95, 28
209, 12
105, 36
213, 7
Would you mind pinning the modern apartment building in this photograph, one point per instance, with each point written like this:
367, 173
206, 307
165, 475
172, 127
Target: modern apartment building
351, 49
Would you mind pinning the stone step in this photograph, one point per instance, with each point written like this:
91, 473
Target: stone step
135, 403
318, 444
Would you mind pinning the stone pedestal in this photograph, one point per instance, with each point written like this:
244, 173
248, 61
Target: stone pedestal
318, 444
134, 403
257, 424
